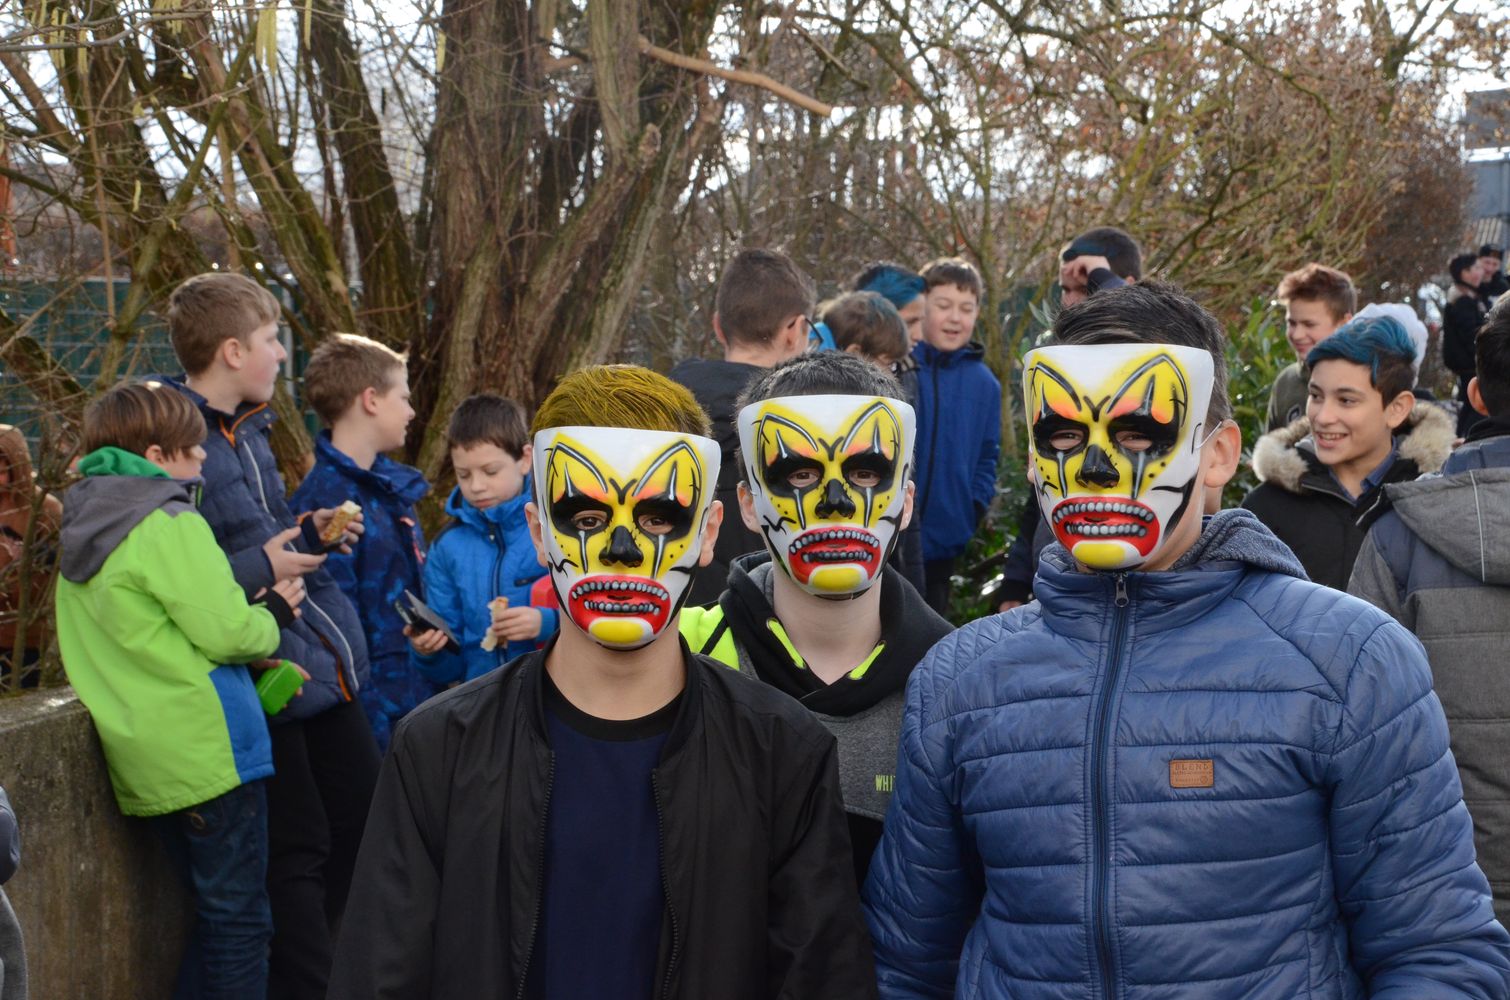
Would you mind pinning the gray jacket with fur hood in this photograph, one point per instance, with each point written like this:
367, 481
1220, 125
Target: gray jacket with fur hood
1299, 501
1439, 561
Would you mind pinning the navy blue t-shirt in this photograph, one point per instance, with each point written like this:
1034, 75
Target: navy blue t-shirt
600, 930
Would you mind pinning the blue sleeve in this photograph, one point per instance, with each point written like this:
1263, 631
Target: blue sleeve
924, 889
550, 622
983, 481
252, 569
1416, 904
444, 598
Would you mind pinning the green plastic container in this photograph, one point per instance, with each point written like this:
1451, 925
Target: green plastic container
277, 685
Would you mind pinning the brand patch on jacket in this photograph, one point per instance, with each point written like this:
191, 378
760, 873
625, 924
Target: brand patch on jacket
1192, 773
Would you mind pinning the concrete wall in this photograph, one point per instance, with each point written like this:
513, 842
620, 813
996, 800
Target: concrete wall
103, 915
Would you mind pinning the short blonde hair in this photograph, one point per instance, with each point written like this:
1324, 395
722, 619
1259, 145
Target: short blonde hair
344, 367
621, 396
133, 416
209, 309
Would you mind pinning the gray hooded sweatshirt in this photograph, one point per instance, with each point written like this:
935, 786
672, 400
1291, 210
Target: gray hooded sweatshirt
1439, 562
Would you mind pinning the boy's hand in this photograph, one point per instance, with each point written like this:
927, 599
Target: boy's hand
288, 564
292, 591
271, 663
354, 529
1074, 274
517, 624
426, 643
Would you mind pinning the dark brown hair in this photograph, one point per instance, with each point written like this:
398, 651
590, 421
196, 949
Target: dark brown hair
489, 419
759, 291
344, 367
133, 416
954, 271
868, 321
1151, 312
209, 309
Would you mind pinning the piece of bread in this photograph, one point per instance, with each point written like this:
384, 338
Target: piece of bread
338, 522
496, 607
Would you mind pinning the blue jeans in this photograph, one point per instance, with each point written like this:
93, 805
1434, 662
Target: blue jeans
219, 848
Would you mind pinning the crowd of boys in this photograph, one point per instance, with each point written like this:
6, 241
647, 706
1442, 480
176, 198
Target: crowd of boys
1192, 766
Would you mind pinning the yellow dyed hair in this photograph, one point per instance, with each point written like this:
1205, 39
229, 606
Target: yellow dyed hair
621, 396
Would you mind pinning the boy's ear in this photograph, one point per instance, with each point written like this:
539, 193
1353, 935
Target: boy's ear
526, 458
907, 505
710, 532
155, 454
1476, 396
233, 353
1397, 409
747, 509
1222, 455
532, 518
368, 400
718, 332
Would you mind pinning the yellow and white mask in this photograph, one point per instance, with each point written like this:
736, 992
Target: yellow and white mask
828, 475
622, 516
1116, 436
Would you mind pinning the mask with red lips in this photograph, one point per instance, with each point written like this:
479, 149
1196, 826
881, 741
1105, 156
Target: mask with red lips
622, 516
828, 475
1116, 436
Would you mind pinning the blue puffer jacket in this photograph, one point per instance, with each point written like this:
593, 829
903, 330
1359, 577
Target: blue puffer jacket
386, 562
959, 436
1213, 782
483, 554
245, 502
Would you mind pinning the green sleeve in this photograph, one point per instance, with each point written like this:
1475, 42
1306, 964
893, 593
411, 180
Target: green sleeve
189, 575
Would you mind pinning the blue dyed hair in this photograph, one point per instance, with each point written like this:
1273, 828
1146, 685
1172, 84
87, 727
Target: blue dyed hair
1379, 344
895, 283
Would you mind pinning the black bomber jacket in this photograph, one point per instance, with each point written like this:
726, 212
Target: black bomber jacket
762, 899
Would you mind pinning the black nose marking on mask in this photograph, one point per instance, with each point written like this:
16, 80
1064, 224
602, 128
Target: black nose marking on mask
835, 501
621, 548
1097, 469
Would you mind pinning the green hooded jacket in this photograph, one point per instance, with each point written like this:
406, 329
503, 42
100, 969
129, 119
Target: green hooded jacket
147, 610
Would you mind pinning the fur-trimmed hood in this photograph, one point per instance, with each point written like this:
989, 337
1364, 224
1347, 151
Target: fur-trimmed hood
1425, 439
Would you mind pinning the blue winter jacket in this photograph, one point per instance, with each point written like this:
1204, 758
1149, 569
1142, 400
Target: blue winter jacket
483, 554
386, 561
958, 438
245, 502
1217, 781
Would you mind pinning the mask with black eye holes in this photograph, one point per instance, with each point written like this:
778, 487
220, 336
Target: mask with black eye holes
1116, 436
623, 514
828, 476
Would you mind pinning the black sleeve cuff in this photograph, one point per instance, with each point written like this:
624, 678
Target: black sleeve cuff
1103, 278
274, 602
309, 536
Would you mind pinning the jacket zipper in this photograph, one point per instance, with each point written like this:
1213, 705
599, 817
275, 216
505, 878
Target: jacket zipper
676, 942
1100, 906
545, 811
933, 440
501, 649
350, 664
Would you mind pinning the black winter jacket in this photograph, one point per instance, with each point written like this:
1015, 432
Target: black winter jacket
761, 900
1300, 502
717, 385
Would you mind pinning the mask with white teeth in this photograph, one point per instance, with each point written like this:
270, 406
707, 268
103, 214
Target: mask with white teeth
828, 476
1116, 436
622, 516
